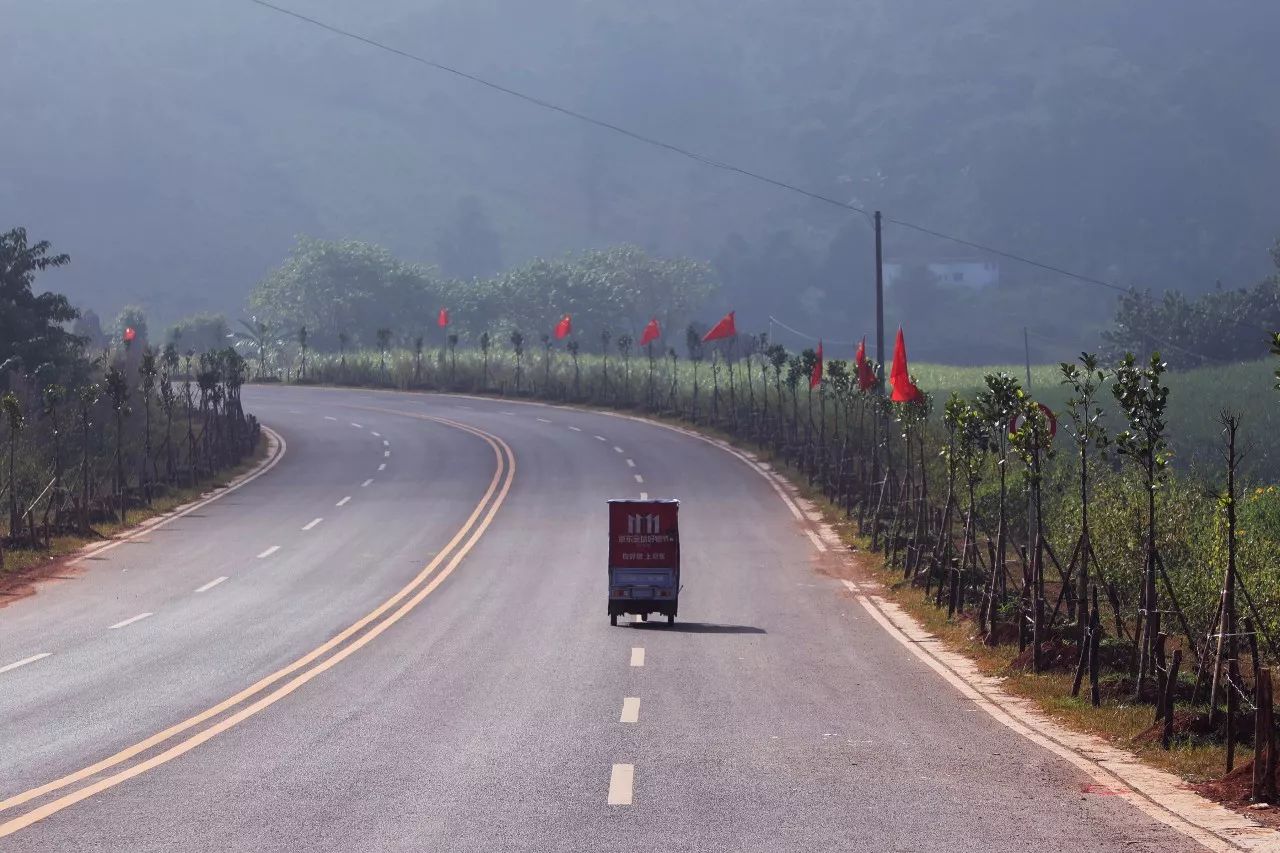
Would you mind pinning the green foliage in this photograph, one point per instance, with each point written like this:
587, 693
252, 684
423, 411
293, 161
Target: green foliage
31, 332
352, 288
199, 333
1085, 380
1215, 327
132, 317
1143, 400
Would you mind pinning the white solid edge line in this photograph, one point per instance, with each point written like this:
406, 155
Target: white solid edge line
621, 780
343, 502
630, 710
644, 496
211, 584
312, 523
268, 552
367, 483
631, 463
639, 479
12, 666
817, 543
129, 621
637, 656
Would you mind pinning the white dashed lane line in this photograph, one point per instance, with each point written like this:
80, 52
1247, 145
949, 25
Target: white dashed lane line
386, 443
367, 483
343, 502
312, 523
637, 656
617, 449
357, 426
382, 467
12, 666
542, 420
630, 710
375, 434
386, 453
268, 552
631, 463
211, 584
639, 479
330, 418
601, 438
621, 780
644, 496
576, 429
129, 621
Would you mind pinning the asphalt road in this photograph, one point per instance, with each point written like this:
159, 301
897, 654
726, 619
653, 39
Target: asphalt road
491, 706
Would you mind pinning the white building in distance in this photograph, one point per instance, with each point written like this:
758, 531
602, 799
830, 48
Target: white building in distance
964, 272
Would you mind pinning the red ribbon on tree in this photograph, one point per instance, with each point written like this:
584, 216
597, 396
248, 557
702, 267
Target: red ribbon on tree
904, 390
442, 320
564, 327
651, 332
129, 334
866, 376
724, 329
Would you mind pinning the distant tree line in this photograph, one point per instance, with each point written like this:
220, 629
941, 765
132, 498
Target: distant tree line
344, 292
1214, 328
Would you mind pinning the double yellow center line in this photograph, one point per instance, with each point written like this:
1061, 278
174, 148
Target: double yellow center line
270, 690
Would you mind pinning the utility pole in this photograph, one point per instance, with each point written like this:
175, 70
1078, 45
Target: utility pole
879, 305
1026, 346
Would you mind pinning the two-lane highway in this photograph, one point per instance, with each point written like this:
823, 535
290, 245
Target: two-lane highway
497, 710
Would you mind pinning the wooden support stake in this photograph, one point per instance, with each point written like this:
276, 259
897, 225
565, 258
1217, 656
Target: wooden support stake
1264, 742
1170, 696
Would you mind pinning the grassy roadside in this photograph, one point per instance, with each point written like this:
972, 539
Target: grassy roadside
22, 562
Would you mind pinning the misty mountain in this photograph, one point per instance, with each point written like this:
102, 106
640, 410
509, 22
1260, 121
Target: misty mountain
175, 150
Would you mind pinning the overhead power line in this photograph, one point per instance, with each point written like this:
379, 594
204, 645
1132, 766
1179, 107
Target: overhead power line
714, 163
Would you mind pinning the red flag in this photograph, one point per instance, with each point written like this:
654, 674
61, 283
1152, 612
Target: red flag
651, 332
866, 376
129, 334
904, 390
443, 319
815, 376
724, 329
564, 327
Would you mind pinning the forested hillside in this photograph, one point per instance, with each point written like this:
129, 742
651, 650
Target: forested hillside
178, 149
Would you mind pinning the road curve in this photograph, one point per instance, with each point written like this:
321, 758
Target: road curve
497, 710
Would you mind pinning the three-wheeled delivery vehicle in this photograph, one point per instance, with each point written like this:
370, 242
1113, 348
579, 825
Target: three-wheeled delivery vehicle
644, 558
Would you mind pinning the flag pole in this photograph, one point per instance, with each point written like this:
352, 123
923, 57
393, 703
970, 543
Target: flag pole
879, 305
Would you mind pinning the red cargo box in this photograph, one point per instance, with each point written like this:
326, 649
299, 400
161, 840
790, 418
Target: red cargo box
644, 534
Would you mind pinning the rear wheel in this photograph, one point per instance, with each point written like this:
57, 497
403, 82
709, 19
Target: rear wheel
671, 619
613, 619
